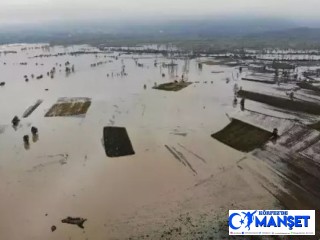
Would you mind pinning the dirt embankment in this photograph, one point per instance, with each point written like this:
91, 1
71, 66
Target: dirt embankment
281, 102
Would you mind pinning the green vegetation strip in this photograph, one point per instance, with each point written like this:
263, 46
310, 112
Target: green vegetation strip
68, 109
280, 102
242, 136
117, 142
282, 65
226, 62
308, 86
173, 86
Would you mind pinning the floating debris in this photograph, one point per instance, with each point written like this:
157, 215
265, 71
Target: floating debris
32, 108
75, 221
179, 134
117, 142
53, 228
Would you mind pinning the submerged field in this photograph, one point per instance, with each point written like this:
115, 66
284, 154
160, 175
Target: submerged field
162, 175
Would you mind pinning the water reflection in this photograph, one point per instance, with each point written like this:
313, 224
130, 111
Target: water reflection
26, 139
26, 146
35, 138
235, 102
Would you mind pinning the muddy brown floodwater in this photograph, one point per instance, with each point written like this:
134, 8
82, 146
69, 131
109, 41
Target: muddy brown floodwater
179, 184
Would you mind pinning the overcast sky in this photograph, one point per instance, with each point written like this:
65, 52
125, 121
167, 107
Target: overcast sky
13, 11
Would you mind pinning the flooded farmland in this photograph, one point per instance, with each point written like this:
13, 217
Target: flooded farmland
179, 182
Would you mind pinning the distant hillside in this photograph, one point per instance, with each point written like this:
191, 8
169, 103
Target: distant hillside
200, 35
296, 33
294, 38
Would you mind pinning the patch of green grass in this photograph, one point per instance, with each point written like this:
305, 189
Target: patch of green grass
117, 142
242, 136
68, 109
173, 86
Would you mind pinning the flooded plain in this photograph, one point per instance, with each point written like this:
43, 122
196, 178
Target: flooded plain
180, 182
